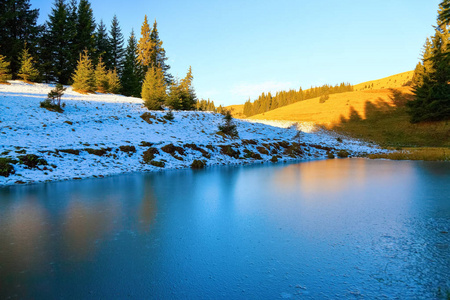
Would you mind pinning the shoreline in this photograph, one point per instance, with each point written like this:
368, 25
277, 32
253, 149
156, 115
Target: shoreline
106, 134
59, 165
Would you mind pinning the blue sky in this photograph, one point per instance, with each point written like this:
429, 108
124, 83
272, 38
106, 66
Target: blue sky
239, 49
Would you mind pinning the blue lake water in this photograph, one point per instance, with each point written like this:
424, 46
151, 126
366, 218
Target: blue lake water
331, 229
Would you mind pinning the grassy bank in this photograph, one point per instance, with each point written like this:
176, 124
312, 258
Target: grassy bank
389, 126
428, 154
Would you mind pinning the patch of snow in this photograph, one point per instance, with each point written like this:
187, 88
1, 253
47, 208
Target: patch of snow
110, 121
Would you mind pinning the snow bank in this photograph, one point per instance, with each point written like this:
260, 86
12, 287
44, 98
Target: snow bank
106, 121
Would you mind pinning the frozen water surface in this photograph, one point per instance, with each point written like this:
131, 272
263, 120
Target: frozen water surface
333, 229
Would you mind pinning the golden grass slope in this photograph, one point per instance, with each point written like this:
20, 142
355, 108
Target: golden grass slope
337, 108
394, 81
237, 111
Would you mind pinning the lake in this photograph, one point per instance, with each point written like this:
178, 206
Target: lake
330, 229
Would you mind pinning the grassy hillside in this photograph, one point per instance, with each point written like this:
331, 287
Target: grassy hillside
377, 115
393, 81
338, 107
237, 111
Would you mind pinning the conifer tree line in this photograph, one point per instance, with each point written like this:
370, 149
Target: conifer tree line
71, 48
266, 102
431, 80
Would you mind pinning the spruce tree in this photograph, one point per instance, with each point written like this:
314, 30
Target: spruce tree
132, 74
103, 46
116, 41
4, 70
83, 78
144, 46
85, 28
432, 91
425, 67
101, 78
444, 13
150, 50
27, 70
158, 54
154, 89
55, 52
17, 26
186, 84
72, 45
177, 97
113, 82
228, 127
181, 93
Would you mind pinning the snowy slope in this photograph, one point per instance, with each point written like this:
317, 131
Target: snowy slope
108, 121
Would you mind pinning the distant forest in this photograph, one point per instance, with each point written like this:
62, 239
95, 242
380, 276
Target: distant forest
266, 102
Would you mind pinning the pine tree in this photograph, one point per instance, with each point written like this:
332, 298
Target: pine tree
181, 94
101, 78
425, 67
144, 46
85, 28
72, 46
103, 46
228, 127
83, 78
27, 70
132, 74
4, 69
158, 54
154, 89
444, 13
150, 50
432, 91
177, 97
116, 40
17, 26
55, 52
113, 81
186, 85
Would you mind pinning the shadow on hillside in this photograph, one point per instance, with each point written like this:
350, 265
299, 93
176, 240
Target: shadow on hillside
375, 109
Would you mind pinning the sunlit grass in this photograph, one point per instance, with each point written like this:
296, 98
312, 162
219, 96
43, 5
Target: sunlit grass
394, 129
428, 154
393, 81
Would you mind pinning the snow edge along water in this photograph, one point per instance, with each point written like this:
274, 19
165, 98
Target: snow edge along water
103, 134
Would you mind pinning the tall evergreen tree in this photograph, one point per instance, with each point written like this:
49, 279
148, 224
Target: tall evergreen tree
144, 46
4, 70
27, 70
72, 44
17, 26
158, 54
131, 74
84, 77
432, 89
117, 50
102, 45
150, 50
85, 25
56, 53
154, 89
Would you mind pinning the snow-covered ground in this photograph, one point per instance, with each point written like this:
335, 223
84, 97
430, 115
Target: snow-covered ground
106, 121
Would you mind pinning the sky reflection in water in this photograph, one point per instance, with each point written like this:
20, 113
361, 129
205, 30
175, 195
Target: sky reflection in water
327, 229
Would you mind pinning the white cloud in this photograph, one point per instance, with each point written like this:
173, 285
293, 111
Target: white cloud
245, 90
